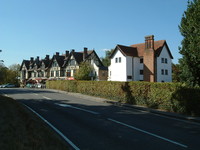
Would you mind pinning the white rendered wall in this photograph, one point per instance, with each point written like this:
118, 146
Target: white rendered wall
117, 71
137, 67
166, 78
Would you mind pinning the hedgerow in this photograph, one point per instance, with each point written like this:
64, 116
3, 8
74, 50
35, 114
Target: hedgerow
172, 97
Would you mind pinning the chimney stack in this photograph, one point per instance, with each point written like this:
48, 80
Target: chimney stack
85, 53
72, 50
47, 57
57, 53
31, 59
66, 53
149, 60
149, 42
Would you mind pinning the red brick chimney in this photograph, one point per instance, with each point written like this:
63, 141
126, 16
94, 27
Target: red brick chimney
149, 59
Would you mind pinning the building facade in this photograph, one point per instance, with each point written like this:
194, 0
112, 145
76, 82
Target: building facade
149, 61
61, 66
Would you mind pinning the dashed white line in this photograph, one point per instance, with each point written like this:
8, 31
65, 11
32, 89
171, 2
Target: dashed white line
46, 97
35, 94
146, 132
70, 106
54, 128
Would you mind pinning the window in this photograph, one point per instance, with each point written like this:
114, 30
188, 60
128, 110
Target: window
166, 72
119, 59
162, 71
166, 60
54, 64
42, 74
57, 73
72, 62
116, 60
129, 77
68, 73
52, 73
141, 60
110, 73
61, 73
39, 74
162, 60
141, 72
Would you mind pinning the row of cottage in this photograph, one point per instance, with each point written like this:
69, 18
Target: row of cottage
149, 61
61, 66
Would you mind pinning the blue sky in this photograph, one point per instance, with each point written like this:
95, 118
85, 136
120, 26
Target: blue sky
31, 28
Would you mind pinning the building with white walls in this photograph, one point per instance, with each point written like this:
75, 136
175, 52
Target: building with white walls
149, 61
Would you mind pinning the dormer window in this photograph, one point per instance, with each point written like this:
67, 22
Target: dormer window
55, 64
72, 62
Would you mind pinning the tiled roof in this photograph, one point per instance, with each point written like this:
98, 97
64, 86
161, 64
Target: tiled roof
158, 45
78, 56
137, 50
128, 51
26, 62
60, 60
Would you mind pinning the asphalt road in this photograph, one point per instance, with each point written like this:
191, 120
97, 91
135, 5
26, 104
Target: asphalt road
93, 125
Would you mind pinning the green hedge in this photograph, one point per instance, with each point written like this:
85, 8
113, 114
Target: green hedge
173, 97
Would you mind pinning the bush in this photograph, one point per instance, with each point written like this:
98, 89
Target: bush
173, 97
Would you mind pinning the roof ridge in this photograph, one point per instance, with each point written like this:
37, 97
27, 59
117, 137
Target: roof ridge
144, 42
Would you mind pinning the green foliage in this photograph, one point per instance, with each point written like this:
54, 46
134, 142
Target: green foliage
9, 75
173, 97
83, 73
176, 71
106, 61
189, 28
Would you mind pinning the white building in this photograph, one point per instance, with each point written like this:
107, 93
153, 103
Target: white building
149, 61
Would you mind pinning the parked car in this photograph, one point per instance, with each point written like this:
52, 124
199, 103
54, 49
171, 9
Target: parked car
29, 85
9, 85
1, 86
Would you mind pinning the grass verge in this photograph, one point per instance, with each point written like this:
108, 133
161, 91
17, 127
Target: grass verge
22, 130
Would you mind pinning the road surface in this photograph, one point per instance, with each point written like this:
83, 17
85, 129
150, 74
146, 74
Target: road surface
90, 124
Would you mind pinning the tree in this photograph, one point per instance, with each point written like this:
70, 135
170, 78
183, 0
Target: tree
176, 72
9, 75
84, 71
190, 49
106, 61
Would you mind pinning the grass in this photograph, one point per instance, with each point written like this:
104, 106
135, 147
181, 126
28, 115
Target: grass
22, 130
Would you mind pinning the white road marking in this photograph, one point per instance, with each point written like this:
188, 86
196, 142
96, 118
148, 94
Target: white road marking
46, 97
70, 106
35, 94
54, 128
146, 132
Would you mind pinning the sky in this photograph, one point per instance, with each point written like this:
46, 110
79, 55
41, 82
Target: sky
31, 28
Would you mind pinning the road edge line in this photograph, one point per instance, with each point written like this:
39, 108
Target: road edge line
149, 133
54, 128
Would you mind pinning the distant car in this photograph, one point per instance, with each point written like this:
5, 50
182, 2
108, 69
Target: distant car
9, 85
1, 86
29, 85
